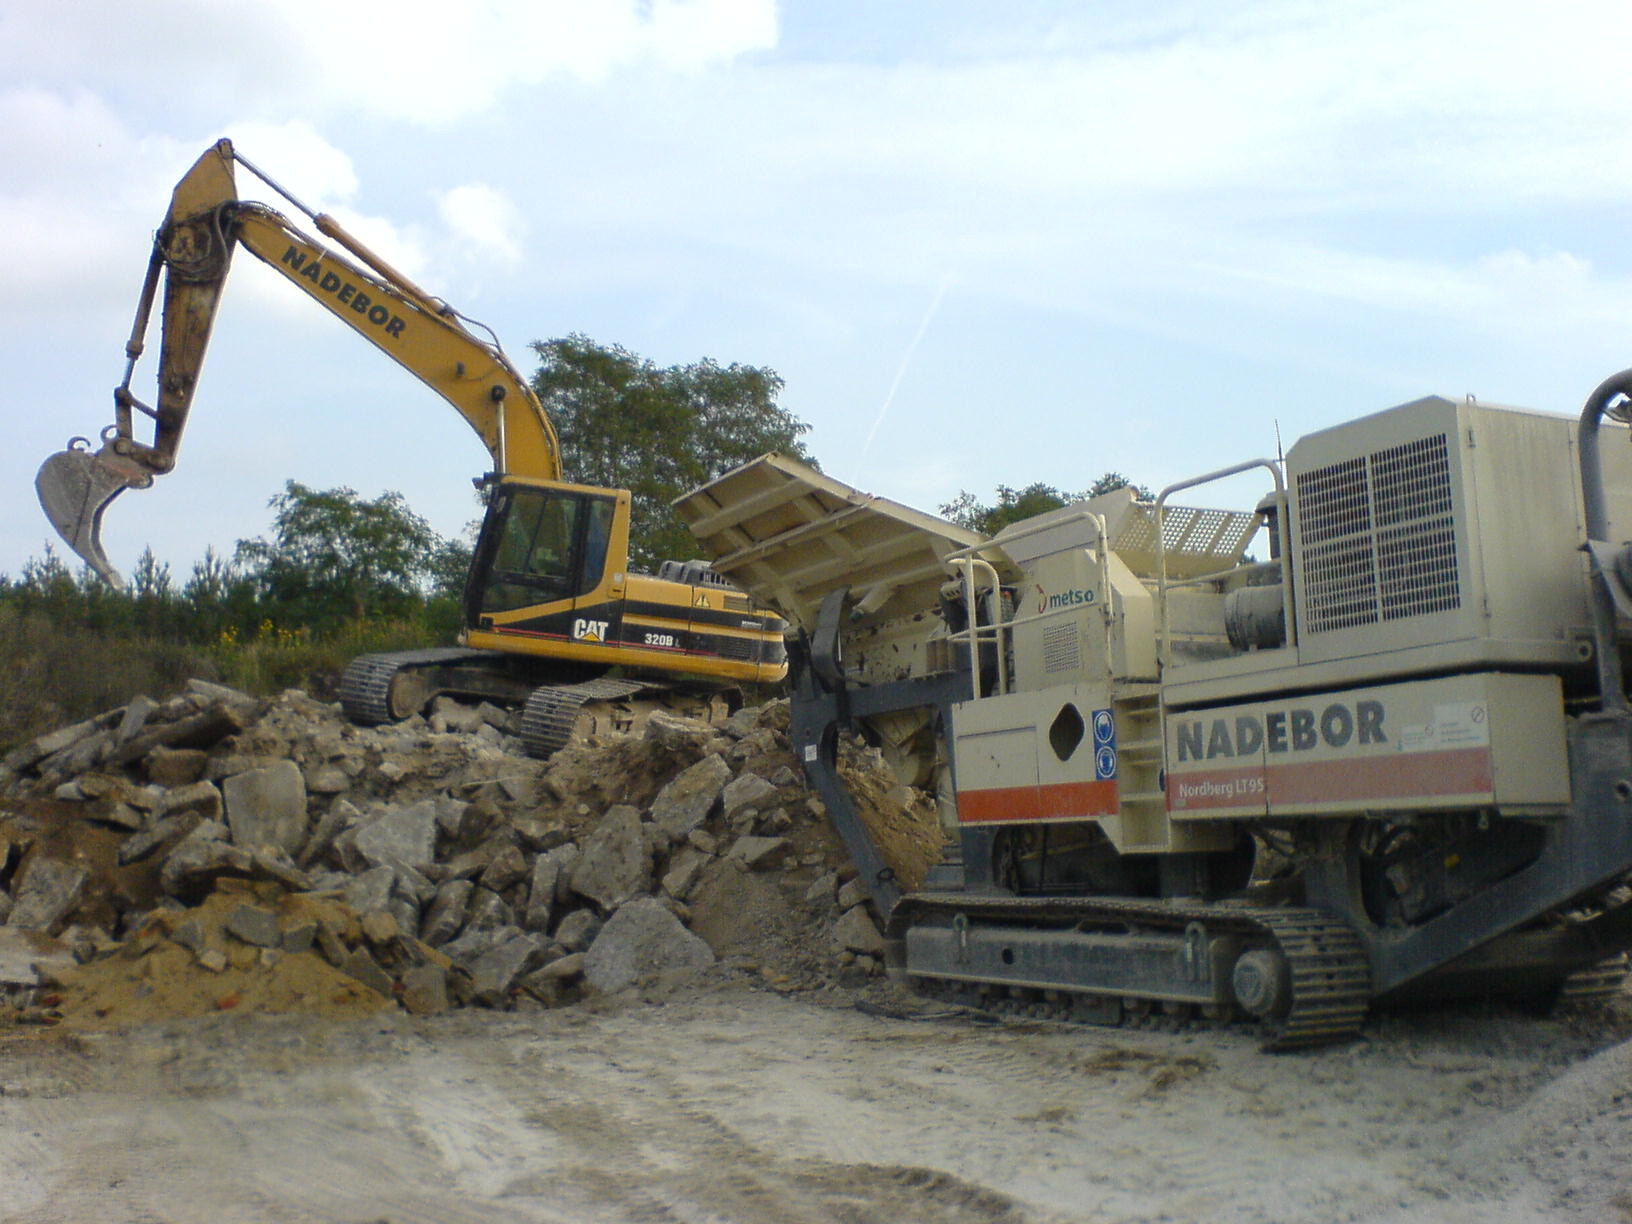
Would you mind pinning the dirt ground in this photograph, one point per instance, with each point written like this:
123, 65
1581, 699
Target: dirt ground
729, 1102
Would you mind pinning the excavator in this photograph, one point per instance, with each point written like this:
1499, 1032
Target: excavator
553, 620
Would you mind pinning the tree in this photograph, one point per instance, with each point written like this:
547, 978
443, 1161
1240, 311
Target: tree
625, 423
1112, 481
335, 556
1014, 505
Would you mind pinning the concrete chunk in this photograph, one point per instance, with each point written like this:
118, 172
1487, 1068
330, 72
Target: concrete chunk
46, 890
446, 916
267, 807
405, 836
165, 829
202, 857
855, 931
507, 867
750, 792
255, 926
759, 853
371, 891
577, 930
174, 766
360, 965
685, 802
496, 971
488, 910
200, 797
615, 862
135, 717
640, 943
683, 870
541, 889
425, 990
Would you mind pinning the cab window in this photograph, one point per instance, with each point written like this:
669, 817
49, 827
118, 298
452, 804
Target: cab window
532, 559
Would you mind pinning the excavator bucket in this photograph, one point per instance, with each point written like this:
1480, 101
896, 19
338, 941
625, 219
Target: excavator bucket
75, 486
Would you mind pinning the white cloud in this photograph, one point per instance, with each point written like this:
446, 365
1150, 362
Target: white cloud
420, 60
484, 218
298, 159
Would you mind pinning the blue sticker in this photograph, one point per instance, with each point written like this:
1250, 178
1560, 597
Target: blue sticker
1104, 746
1104, 727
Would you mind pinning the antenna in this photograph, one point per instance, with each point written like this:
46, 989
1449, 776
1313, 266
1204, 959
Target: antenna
1280, 455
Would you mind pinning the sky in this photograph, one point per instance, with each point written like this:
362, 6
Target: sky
981, 244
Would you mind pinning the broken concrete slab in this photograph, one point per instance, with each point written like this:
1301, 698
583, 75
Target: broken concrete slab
202, 798
255, 926
267, 807
495, 972
403, 836
615, 862
577, 930
507, 867
686, 801
856, 931
641, 943
446, 916
174, 766
425, 990
748, 792
371, 890
45, 892
759, 853
362, 966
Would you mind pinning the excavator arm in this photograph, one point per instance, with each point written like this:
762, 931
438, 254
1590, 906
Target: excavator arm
191, 256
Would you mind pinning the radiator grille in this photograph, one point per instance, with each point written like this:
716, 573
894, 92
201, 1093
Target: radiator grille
1377, 537
1062, 648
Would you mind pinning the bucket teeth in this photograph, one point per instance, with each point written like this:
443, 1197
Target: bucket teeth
75, 487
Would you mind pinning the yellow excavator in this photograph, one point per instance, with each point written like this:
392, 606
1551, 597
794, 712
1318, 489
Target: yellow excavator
554, 621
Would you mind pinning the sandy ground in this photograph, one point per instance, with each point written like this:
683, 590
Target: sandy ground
725, 1103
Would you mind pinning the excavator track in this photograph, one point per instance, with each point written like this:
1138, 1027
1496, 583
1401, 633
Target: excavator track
551, 711
365, 686
1596, 983
1327, 969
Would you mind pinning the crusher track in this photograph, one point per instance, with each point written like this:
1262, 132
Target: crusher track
1329, 974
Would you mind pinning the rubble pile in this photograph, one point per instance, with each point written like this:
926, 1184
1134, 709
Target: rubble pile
215, 851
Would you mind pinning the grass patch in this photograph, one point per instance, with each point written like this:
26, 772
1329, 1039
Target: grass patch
51, 675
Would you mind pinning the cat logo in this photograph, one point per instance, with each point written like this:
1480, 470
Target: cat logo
701, 601
589, 630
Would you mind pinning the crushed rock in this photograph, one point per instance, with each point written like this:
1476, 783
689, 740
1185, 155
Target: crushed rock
423, 864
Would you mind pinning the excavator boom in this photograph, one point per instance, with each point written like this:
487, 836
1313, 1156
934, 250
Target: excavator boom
192, 253
550, 605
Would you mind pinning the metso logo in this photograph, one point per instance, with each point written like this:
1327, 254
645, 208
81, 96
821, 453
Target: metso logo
1075, 597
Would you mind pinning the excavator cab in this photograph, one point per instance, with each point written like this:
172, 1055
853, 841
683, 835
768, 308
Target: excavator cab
539, 544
